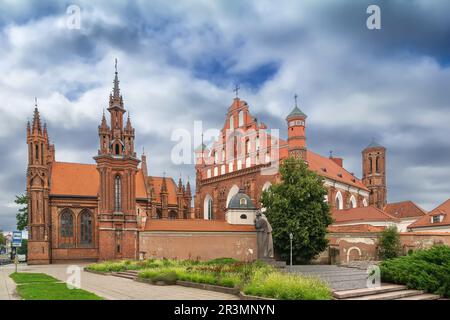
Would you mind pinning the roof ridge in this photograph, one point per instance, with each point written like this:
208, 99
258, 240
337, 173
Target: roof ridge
79, 163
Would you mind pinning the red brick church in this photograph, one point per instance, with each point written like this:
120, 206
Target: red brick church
104, 210
244, 154
95, 211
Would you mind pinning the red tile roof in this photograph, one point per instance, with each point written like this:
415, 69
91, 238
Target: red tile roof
369, 213
194, 225
404, 209
332, 170
425, 221
75, 179
79, 179
355, 228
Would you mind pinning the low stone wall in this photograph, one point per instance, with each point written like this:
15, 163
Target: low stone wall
363, 246
198, 245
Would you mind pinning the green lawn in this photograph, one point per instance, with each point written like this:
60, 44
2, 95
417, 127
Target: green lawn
22, 277
40, 286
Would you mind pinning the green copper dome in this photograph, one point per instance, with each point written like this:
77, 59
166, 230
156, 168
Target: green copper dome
241, 201
296, 112
374, 144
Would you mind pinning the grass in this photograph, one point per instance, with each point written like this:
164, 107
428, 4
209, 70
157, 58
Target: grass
255, 278
427, 270
286, 286
40, 286
24, 277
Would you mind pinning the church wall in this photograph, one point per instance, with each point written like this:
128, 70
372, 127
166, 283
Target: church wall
219, 187
198, 245
61, 251
364, 246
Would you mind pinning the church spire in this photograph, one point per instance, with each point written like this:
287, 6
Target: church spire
116, 90
128, 126
36, 118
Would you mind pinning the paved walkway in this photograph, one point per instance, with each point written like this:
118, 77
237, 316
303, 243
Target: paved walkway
112, 288
7, 285
339, 278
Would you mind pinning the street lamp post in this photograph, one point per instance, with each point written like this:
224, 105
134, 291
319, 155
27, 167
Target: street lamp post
291, 237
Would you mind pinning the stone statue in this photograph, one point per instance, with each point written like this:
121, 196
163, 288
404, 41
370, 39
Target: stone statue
264, 236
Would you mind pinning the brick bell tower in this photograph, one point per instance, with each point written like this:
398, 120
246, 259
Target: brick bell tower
296, 121
374, 173
40, 156
117, 166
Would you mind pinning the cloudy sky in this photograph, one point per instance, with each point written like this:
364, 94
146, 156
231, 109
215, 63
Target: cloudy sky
179, 62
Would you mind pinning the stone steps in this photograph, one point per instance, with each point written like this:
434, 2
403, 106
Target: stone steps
385, 292
345, 294
425, 296
394, 295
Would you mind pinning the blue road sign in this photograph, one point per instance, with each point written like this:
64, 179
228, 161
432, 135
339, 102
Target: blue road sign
16, 239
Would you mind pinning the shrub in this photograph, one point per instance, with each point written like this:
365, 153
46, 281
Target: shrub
166, 275
389, 243
287, 287
427, 270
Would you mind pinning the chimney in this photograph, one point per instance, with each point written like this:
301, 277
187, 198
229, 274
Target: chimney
338, 161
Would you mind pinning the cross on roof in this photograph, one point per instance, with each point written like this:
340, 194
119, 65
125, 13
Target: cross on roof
115, 66
295, 99
236, 90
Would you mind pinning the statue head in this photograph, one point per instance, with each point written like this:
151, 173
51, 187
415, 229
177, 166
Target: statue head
258, 213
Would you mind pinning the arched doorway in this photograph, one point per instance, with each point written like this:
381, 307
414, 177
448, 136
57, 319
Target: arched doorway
208, 213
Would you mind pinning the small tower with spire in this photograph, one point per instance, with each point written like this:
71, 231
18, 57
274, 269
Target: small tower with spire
187, 200
39, 219
164, 197
180, 197
296, 121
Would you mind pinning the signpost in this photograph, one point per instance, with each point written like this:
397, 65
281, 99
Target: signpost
16, 243
17, 239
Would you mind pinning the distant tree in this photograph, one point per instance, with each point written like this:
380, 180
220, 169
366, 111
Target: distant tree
389, 244
296, 205
2, 239
22, 214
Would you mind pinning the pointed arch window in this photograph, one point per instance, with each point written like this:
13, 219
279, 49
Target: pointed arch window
66, 229
66, 225
117, 151
370, 165
86, 228
117, 194
377, 164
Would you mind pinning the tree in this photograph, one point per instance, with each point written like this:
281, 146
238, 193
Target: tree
297, 206
389, 244
22, 214
2, 239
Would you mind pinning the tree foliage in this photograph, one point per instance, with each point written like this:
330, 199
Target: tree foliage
389, 244
296, 205
2, 239
22, 214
